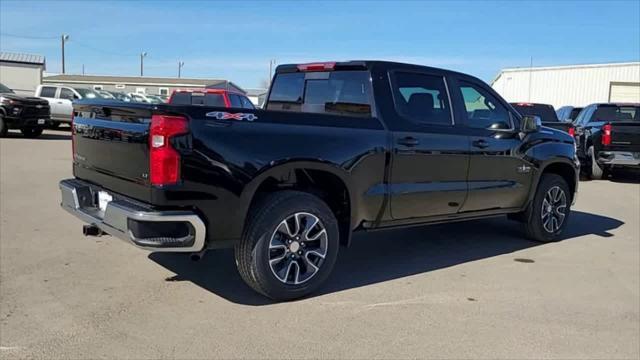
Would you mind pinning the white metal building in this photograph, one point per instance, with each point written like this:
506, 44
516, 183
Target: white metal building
576, 85
21, 72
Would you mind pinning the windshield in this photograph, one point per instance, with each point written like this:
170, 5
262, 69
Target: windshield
545, 112
88, 94
616, 113
5, 90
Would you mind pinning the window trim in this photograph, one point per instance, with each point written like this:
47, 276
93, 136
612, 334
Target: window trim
505, 105
393, 83
163, 88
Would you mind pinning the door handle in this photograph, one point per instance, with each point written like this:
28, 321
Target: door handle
408, 141
480, 144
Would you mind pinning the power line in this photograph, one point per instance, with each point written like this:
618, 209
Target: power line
29, 37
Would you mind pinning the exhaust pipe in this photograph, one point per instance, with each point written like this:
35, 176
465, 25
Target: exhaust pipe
91, 230
197, 256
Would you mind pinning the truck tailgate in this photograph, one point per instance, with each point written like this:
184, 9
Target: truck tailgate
111, 146
625, 136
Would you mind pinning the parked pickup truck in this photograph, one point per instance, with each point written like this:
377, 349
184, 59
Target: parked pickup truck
547, 114
608, 137
28, 114
210, 97
61, 100
340, 147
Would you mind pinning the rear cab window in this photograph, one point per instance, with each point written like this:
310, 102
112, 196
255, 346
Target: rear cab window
613, 112
545, 112
198, 98
346, 93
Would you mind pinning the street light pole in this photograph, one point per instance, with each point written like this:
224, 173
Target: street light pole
63, 38
180, 65
142, 55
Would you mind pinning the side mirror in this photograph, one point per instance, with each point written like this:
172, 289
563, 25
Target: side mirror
500, 126
530, 123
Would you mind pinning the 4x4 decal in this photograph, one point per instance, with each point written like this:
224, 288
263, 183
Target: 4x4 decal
222, 115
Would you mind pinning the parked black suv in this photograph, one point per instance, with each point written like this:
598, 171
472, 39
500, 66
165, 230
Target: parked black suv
341, 147
29, 114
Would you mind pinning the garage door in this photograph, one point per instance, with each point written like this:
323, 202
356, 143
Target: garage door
625, 92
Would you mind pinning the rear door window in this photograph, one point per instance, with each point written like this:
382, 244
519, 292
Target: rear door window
67, 94
214, 100
246, 103
235, 101
346, 93
422, 98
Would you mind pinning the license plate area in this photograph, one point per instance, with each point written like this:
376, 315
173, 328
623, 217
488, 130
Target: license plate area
104, 198
41, 121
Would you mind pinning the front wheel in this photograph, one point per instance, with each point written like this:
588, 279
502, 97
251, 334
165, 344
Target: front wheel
549, 211
290, 245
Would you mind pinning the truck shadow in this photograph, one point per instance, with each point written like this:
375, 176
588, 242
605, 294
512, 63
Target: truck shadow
386, 255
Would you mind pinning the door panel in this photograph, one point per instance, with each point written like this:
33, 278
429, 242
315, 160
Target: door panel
428, 178
430, 153
499, 176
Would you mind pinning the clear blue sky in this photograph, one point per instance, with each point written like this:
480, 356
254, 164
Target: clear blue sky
236, 40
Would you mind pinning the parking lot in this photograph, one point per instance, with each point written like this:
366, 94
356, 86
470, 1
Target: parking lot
465, 290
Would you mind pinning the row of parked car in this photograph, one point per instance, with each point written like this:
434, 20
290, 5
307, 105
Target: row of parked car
607, 135
52, 105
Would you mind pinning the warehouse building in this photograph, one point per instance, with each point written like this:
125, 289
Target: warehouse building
137, 84
576, 85
21, 72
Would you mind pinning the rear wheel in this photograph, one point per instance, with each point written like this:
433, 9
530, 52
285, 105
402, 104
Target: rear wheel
549, 211
31, 132
3, 127
290, 245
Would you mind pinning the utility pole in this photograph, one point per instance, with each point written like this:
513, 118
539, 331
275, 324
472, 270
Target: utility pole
63, 38
180, 65
142, 55
82, 69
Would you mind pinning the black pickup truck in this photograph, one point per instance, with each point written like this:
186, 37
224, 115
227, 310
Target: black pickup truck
340, 147
547, 114
608, 137
30, 115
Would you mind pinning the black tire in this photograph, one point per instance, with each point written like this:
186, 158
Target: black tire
31, 132
3, 126
595, 172
253, 252
54, 125
536, 228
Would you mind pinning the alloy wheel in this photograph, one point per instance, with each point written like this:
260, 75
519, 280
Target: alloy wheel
554, 207
297, 248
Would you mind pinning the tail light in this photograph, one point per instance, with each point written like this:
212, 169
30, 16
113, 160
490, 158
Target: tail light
606, 134
324, 66
164, 160
572, 131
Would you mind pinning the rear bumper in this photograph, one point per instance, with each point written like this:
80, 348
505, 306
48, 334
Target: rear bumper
127, 219
619, 158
